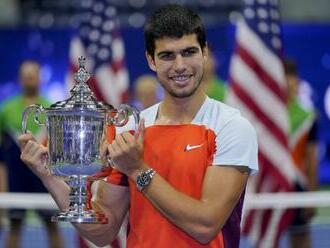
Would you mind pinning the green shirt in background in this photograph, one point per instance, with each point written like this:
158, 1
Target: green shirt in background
298, 115
217, 89
11, 116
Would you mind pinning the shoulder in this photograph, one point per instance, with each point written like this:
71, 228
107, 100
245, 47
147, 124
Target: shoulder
149, 114
225, 121
10, 103
216, 115
239, 126
44, 101
236, 139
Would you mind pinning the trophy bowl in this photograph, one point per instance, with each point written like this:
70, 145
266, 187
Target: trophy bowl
75, 129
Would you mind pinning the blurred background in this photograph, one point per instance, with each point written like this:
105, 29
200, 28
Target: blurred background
44, 30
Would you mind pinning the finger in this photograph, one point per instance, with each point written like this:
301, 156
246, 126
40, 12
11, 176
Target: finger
34, 147
113, 149
33, 154
45, 158
121, 142
39, 154
29, 146
29, 152
140, 132
104, 148
104, 153
36, 154
111, 154
128, 137
37, 148
24, 138
103, 138
104, 133
38, 163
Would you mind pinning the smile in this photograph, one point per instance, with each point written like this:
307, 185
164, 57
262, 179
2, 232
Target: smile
180, 78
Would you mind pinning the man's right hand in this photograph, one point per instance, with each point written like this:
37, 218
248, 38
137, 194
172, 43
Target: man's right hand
34, 155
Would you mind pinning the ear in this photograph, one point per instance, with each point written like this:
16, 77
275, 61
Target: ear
205, 52
151, 62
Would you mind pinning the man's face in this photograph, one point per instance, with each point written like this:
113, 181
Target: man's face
179, 64
146, 91
29, 76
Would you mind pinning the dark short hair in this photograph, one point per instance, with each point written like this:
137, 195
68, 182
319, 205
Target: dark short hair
172, 21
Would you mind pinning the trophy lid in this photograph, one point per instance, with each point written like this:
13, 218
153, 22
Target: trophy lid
82, 97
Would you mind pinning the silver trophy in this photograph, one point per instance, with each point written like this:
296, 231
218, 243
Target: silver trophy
75, 127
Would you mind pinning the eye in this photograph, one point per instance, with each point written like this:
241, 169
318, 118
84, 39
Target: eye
166, 56
189, 52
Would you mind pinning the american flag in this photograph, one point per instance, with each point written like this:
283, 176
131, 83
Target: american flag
258, 89
99, 40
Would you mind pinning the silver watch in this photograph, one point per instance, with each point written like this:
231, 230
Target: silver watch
143, 179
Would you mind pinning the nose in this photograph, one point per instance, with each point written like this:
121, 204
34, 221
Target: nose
178, 64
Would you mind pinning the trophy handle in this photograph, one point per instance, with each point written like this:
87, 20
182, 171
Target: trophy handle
119, 117
37, 109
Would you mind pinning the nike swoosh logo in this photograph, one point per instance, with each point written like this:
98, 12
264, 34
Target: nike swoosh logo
190, 147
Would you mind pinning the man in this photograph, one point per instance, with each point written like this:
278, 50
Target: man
215, 87
146, 91
186, 167
20, 178
303, 144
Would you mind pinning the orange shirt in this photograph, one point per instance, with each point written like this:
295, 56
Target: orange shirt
147, 226
184, 170
298, 152
181, 154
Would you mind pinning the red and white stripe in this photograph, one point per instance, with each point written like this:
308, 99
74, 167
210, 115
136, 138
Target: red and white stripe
110, 82
257, 88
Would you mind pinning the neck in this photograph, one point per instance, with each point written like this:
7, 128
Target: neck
175, 111
30, 99
291, 98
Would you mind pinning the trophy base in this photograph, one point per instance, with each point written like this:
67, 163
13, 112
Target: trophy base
86, 217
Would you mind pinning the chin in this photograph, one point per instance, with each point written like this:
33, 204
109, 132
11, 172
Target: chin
182, 94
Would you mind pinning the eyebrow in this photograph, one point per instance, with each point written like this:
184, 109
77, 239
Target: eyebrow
180, 51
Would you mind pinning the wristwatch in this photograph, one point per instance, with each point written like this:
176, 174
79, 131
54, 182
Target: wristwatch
143, 179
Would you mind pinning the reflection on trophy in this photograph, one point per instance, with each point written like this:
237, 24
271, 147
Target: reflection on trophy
75, 127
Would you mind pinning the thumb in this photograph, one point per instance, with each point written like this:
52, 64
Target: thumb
140, 132
24, 139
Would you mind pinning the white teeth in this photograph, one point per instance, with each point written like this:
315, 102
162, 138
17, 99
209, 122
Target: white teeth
180, 78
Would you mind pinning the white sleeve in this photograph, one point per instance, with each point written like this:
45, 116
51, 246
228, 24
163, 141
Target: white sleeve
236, 144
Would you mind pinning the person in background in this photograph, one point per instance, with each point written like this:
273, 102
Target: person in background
182, 175
147, 91
215, 87
304, 150
20, 178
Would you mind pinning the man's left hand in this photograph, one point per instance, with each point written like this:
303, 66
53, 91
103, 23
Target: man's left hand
126, 151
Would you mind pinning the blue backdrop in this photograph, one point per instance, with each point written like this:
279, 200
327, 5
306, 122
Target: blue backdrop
307, 43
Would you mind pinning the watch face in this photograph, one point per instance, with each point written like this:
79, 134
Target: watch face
143, 179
